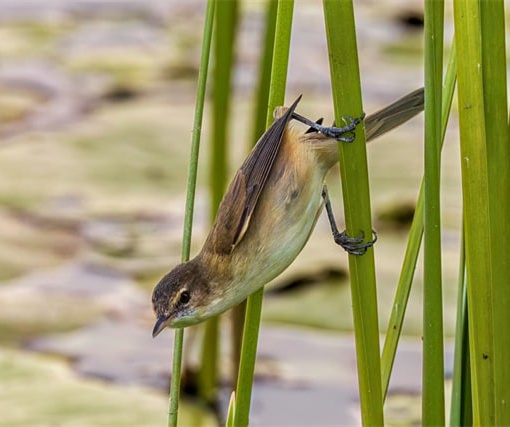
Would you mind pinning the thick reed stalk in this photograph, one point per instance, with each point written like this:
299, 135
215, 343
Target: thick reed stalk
433, 412
345, 80
494, 74
476, 202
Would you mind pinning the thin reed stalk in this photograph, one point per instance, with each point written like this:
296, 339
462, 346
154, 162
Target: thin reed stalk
190, 201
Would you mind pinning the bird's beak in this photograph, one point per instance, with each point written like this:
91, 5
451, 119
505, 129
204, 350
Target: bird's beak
159, 326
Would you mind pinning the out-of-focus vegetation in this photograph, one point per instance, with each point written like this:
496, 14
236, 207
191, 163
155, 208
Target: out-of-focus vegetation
58, 396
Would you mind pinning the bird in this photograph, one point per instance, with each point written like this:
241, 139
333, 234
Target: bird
268, 214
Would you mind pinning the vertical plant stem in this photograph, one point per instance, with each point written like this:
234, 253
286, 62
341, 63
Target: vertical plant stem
190, 201
433, 413
259, 125
494, 74
280, 61
475, 191
461, 413
238, 317
248, 357
265, 66
254, 304
398, 310
345, 80
224, 43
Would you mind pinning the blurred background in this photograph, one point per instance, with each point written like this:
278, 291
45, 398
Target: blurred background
96, 108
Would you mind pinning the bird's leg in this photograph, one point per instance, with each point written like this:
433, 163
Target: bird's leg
353, 245
344, 134
317, 122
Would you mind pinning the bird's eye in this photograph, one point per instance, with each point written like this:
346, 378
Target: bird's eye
184, 298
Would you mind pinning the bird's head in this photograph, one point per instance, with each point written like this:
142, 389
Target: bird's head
181, 297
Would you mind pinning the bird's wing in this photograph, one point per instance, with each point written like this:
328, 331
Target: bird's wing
240, 200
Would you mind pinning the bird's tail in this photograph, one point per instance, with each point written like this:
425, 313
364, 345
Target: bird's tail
394, 114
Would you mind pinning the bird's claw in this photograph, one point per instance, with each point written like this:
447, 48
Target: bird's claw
354, 245
345, 133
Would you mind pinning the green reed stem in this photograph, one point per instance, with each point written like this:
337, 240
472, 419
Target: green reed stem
494, 74
476, 202
224, 44
433, 412
345, 80
254, 304
260, 121
175, 384
280, 61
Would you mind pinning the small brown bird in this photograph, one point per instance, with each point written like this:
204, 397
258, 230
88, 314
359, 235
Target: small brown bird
267, 215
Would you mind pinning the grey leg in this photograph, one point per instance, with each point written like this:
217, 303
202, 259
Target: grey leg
353, 245
333, 132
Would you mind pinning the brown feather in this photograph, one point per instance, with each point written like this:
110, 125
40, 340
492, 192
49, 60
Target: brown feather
238, 204
224, 231
394, 115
